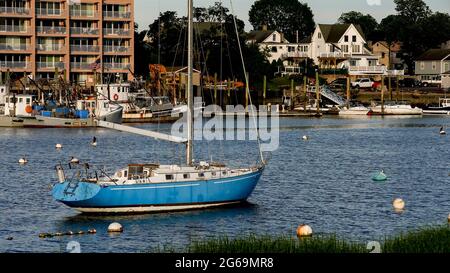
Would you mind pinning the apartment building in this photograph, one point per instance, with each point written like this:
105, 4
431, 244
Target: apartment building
80, 39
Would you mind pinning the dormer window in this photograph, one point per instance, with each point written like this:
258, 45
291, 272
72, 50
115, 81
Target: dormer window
274, 37
354, 38
346, 38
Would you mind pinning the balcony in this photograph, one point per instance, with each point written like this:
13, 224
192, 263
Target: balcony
13, 28
51, 30
14, 11
333, 55
50, 47
19, 47
117, 66
84, 31
49, 65
84, 48
14, 65
364, 70
117, 14
290, 70
82, 66
116, 31
83, 13
295, 55
49, 12
116, 49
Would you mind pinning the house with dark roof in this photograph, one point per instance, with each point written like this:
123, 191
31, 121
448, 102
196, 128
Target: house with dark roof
432, 64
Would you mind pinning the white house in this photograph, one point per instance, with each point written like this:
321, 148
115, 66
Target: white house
330, 46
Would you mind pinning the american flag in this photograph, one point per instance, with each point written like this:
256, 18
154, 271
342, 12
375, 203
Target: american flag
95, 65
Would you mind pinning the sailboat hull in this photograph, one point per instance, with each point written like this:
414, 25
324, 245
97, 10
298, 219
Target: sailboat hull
156, 197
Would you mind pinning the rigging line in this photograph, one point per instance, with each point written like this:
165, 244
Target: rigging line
246, 81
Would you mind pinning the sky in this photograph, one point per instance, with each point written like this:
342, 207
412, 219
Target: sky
325, 11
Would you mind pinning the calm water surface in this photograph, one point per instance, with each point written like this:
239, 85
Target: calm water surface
325, 182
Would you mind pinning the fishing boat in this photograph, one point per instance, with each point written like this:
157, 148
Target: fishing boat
442, 109
24, 111
146, 187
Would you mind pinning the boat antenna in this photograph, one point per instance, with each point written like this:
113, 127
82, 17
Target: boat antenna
190, 87
247, 89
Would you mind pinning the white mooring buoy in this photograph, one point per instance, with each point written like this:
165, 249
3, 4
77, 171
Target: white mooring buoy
398, 204
304, 230
23, 161
305, 137
58, 146
115, 227
74, 160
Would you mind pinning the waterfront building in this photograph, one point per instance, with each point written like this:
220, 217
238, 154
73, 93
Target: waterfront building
79, 39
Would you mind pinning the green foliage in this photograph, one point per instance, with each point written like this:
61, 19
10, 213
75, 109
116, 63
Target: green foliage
367, 22
428, 240
282, 244
414, 10
287, 16
432, 240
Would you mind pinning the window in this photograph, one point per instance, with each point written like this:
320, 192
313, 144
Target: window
355, 48
201, 174
422, 65
213, 173
319, 35
433, 65
274, 49
346, 38
125, 173
352, 62
224, 173
169, 177
345, 48
354, 38
186, 176
446, 67
28, 100
20, 100
274, 37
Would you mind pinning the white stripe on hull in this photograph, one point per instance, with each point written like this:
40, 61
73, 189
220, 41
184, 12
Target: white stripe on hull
152, 208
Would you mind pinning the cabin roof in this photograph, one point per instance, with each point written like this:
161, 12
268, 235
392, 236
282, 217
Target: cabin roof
434, 55
333, 33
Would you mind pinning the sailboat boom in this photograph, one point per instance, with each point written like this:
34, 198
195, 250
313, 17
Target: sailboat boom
142, 132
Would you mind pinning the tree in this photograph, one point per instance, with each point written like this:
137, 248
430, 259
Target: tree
414, 10
435, 29
367, 22
286, 16
142, 53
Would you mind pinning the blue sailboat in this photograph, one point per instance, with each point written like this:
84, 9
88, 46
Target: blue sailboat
142, 188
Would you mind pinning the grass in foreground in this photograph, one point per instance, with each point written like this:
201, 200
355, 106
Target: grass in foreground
431, 240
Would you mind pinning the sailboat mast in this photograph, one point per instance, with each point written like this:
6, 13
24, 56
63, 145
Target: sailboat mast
190, 87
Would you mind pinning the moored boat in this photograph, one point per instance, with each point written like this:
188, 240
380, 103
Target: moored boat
147, 187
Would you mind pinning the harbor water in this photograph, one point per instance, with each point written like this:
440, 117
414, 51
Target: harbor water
325, 182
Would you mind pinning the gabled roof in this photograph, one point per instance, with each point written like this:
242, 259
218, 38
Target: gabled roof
259, 35
395, 47
333, 33
306, 40
434, 55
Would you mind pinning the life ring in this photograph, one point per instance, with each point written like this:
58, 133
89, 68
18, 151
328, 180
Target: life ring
28, 109
116, 97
